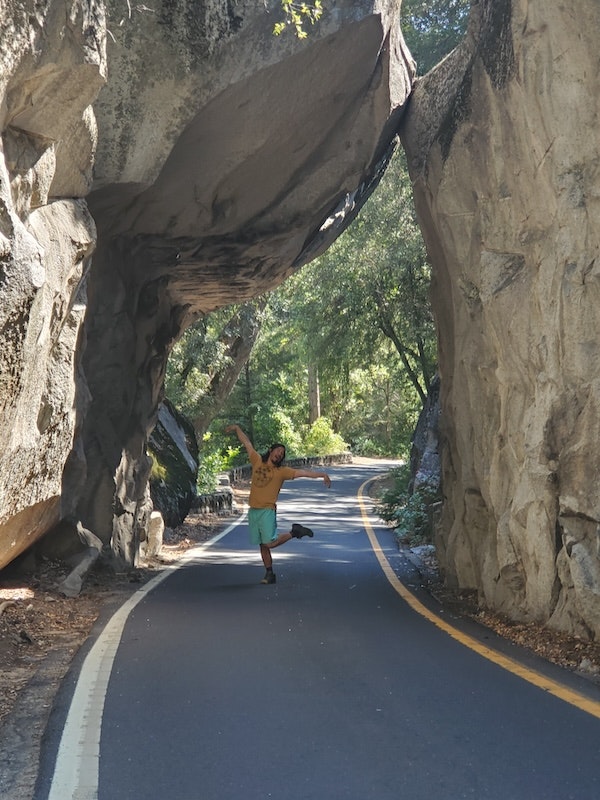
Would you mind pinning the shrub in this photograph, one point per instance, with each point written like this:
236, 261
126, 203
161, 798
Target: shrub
277, 427
212, 461
321, 440
368, 446
409, 513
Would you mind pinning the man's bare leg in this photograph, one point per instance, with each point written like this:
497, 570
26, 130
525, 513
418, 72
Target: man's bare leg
265, 549
297, 532
281, 539
265, 554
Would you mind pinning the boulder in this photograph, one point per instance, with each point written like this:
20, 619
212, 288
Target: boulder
174, 449
52, 65
154, 540
227, 158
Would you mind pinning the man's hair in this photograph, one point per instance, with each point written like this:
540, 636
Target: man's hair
265, 456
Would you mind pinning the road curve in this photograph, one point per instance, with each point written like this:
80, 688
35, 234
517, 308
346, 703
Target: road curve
208, 685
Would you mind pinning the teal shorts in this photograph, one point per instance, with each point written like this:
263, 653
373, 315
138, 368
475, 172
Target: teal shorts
262, 523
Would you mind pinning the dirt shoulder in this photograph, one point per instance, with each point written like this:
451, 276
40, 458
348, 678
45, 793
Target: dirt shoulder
41, 631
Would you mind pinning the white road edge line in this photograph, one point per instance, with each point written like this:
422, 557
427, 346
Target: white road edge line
76, 770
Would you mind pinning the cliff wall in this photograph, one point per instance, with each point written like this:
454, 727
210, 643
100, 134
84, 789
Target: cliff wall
504, 153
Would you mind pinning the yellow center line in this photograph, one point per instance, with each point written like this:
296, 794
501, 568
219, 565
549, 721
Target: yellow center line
532, 676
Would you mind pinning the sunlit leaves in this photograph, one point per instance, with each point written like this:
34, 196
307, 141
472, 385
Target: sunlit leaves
297, 15
373, 283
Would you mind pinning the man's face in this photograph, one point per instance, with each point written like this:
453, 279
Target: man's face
277, 455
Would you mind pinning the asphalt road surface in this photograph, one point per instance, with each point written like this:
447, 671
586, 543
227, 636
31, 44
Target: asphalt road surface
324, 685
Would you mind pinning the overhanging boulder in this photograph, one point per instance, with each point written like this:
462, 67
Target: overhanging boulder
216, 160
227, 159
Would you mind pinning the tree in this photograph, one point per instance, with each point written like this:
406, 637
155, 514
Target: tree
432, 28
208, 359
271, 399
373, 280
359, 318
296, 15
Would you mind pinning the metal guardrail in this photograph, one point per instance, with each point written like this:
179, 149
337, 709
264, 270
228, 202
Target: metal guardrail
219, 502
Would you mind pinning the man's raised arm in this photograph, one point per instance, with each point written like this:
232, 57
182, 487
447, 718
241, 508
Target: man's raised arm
242, 437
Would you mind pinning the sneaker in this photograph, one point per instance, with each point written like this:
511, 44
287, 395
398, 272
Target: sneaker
298, 531
269, 578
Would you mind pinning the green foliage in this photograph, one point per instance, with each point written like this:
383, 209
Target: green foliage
371, 288
410, 514
269, 400
195, 358
277, 426
432, 28
295, 15
321, 440
214, 458
209, 468
379, 409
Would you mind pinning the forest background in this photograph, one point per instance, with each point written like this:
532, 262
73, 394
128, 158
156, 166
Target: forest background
341, 355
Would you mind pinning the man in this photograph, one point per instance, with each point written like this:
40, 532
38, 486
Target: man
268, 476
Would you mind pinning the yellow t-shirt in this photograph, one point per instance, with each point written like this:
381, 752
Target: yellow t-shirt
266, 482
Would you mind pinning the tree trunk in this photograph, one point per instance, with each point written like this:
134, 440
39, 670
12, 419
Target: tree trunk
239, 336
314, 397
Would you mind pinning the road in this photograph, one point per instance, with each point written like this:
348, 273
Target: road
324, 685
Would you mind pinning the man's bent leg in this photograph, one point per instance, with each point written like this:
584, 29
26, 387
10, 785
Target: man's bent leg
265, 553
281, 539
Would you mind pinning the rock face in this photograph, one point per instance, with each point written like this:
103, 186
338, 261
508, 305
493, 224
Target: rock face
503, 150
51, 68
205, 160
